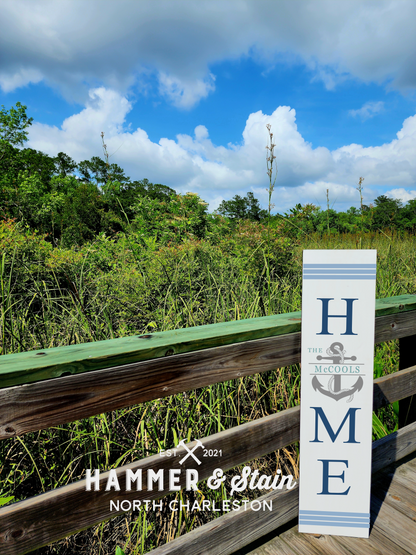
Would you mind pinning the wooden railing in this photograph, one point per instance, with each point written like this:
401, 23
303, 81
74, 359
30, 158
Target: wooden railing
59, 385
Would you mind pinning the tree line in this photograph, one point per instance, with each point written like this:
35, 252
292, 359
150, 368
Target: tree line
72, 203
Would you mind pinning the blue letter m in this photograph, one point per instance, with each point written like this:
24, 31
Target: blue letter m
320, 413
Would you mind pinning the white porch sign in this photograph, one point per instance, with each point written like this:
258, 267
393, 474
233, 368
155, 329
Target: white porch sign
338, 310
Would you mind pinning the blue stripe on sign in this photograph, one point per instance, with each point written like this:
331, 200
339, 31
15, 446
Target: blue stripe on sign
339, 271
348, 276
339, 265
352, 519
333, 513
343, 524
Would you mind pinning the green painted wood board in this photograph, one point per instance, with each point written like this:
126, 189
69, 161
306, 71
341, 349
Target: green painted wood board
33, 366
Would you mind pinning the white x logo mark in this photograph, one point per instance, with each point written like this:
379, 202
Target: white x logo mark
190, 451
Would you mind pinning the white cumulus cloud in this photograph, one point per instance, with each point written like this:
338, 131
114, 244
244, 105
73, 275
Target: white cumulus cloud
20, 78
185, 94
401, 194
216, 173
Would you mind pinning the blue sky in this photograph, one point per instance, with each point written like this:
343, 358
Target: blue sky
184, 90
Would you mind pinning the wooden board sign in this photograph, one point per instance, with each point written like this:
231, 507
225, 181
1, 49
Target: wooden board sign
337, 354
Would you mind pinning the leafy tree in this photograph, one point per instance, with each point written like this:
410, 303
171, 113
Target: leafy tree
407, 216
350, 221
85, 171
254, 212
189, 215
300, 220
9, 159
82, 214
242, 208
183, 216
386, 212
34, 161
236, 208
126, 195
64, 165
98, 171
13, 125
94, 170
327, 218
154, 191
64, 184
113, 185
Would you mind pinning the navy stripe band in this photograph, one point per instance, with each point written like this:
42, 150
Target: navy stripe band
339, 271
343, 524
332, 513
349, 276
336, 519
361, 266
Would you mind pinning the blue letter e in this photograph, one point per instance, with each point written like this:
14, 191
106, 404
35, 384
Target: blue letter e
326, 476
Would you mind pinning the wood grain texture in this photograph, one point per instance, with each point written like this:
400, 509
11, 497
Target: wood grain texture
376, 544
396, 490
395, 305
27, 525
307, 544
235, 530
406, 474
33, 366
276, 546
40, 405
394, 387
412, 464
393, 447
48, 517
395, 326
394, 525
407, 407
389, 488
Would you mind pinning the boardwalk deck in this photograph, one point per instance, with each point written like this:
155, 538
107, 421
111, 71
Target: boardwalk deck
393, 522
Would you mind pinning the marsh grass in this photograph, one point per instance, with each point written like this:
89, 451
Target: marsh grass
116, 288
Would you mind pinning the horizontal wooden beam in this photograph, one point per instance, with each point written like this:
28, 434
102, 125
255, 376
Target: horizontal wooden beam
33, 366
394, 387
36, 406
40, 405
58, 513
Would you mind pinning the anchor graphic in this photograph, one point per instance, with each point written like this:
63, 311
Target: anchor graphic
336, 354
341, 393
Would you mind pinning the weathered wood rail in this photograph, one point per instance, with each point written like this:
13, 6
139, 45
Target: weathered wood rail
47, 388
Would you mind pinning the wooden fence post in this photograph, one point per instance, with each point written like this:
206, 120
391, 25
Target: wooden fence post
407, 407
